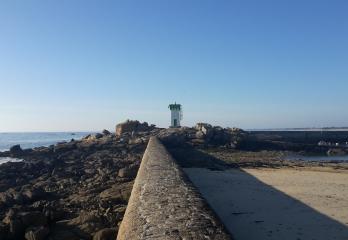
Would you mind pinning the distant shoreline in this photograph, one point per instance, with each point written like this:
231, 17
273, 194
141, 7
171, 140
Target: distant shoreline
29, 140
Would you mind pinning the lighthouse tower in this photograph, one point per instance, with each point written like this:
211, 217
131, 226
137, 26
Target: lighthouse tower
176, 114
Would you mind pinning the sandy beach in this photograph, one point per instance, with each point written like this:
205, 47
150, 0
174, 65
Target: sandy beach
303, 203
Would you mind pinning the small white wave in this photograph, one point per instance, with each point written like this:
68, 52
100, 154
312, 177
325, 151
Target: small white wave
9, 159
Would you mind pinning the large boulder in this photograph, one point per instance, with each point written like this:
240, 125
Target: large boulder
131, 126
204, 130
16, 150
128, 171
173, 136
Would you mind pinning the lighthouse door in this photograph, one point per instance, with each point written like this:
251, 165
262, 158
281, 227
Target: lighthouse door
175, 122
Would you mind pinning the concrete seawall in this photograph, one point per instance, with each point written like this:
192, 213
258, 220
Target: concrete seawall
165, 205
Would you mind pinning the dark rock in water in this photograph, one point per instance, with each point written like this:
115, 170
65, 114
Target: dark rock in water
86, 137
336, 152
106, 132
98, 135
36, 233
105, 234
16, 150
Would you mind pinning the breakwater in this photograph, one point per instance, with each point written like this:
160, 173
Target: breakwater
311, 137
165, 205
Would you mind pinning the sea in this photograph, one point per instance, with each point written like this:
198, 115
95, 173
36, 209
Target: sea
35, 139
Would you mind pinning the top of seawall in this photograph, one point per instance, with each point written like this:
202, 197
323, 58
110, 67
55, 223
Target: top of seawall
165, 205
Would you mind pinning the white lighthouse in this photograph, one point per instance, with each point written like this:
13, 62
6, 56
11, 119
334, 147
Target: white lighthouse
176, 114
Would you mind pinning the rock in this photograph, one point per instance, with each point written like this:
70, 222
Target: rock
204, 127
16, 230
106, 132
135, 141
36, 233
173, 136
3, 230
232, 145
86, 137
16, 150
117, 193
62, 231
219, 136
86, 223
33, 219
34, 194
93, 137
105, 234
336, 152
128, 172
98, 135
205, 131
85, 217
6, 199
18, 198
200, 134
63, 147
132, 126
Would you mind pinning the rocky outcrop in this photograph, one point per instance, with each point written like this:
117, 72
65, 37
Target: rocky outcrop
204, 135
16, 150
165, 205
80, 189
72, 190
131, 126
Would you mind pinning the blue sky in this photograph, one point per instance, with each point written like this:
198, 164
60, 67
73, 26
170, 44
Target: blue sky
86, 65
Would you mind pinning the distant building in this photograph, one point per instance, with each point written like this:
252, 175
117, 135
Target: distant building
176, 114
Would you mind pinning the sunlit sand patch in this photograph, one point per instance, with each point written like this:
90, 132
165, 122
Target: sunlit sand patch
277, 203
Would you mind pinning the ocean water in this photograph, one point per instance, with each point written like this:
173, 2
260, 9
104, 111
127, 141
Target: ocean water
9, 159
37, 139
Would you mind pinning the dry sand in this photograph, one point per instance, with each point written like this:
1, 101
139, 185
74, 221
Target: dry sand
278, 203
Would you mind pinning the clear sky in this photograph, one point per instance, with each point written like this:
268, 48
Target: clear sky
86, 65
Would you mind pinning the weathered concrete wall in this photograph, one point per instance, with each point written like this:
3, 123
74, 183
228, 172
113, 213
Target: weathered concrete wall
165, 205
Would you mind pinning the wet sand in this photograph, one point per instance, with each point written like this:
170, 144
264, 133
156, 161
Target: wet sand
307, 203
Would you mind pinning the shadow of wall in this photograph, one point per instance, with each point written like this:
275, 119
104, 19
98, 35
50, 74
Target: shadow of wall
251, 209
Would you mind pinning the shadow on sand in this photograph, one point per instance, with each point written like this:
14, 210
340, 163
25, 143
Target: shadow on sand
251, 209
